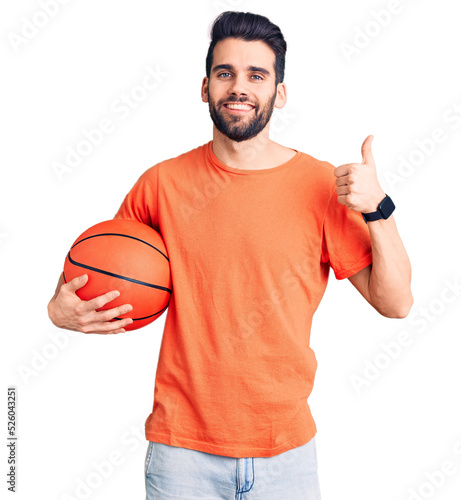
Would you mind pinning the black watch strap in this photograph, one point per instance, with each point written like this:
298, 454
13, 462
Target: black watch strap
372, 216
385, 209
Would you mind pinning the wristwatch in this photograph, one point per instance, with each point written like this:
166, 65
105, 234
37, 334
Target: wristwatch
385, 209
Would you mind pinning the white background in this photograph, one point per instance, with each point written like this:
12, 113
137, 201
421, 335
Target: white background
82, 398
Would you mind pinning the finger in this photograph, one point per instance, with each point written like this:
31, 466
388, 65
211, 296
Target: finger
77, 283
113, 313
343, 190
108, 326
122, 330
109, 332
341, 199
112, 326
102, 300
343, 169
342, 181
367, 156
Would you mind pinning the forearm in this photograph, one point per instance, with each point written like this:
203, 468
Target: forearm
390, 277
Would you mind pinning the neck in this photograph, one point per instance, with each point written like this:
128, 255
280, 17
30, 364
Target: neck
254, 153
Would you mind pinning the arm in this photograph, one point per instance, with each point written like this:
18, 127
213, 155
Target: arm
385, 283
67, 310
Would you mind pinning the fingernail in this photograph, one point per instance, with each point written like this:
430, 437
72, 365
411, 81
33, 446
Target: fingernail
128, 309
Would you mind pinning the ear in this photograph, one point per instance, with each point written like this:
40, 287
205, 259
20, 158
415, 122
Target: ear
281, 98
205, 89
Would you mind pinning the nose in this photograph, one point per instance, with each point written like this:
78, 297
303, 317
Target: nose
238, 86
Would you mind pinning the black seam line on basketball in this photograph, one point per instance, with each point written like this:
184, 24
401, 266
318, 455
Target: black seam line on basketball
132, 280
145, 317
125, 236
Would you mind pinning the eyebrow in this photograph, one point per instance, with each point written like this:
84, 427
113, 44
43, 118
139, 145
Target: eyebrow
231, 68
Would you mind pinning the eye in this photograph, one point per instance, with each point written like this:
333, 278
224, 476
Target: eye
220, 74
257, 76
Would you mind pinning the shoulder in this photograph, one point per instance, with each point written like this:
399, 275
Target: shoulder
194, 154
171, 165
320, 171
322, 166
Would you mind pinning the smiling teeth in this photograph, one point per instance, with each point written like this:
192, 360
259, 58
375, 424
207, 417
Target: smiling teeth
238, 106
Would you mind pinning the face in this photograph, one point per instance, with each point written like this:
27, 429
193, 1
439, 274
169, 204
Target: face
241, 91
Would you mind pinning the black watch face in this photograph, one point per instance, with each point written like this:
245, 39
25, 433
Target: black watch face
386, 207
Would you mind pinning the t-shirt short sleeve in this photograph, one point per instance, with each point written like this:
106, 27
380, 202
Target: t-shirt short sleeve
141, 202
346, 239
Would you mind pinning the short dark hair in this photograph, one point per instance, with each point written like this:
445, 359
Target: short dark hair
249, 27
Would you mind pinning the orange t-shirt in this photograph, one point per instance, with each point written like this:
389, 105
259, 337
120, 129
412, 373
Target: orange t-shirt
250, 252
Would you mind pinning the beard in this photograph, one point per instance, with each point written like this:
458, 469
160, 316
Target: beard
240, 128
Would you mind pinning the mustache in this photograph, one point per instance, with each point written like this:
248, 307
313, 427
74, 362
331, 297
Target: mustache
240, 101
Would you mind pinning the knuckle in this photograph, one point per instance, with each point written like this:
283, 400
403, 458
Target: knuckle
82, 322
121, 310
98, 301
110, 328
109, 316
110, 296
80, 310
102, 315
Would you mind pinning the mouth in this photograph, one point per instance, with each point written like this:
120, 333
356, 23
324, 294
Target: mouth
238, 107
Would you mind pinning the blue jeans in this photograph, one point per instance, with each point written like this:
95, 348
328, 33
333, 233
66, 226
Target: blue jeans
183, 474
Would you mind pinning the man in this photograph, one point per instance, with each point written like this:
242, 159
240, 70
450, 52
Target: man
251, 228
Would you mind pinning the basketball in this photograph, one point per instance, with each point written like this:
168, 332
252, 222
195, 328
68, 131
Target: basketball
124, 255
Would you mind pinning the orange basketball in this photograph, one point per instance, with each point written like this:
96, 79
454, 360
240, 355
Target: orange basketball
123, 255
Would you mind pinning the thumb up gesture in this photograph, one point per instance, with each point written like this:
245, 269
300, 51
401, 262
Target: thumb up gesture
357, 183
